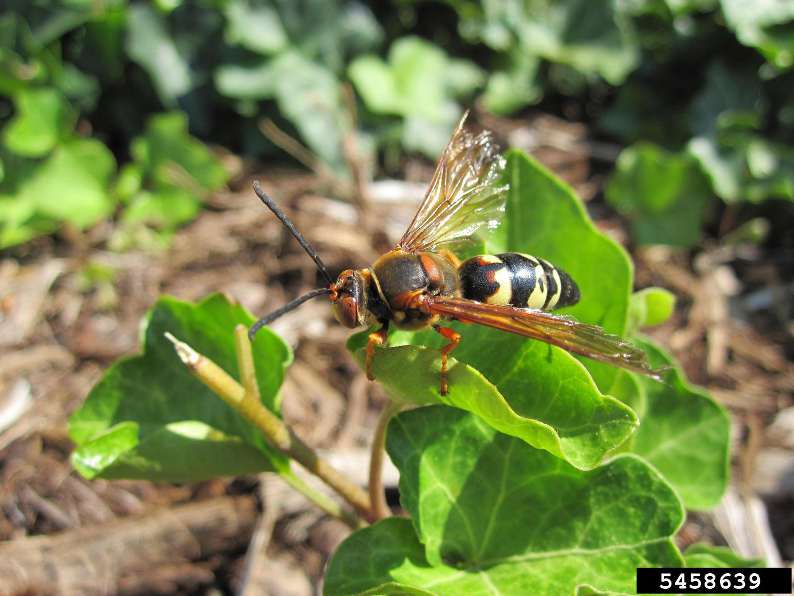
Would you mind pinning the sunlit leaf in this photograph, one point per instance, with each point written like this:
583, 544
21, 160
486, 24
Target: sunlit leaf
489, 514
42, 118
150, 45
664, 195
684, 434
72, 184
150, 418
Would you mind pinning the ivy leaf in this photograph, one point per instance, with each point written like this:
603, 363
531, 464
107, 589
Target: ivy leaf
684, 433
244, 81
42, 119
706, 555
544, 398
255, 27
767, 26
515, 86
72, 184
150, 44
544, 218
663, 194
649, 307
148, 417
166, 209
308, 94
420, 83
590, 36
727, 118
491, 514
170, 157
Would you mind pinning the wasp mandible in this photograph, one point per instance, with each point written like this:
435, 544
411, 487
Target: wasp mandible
421, 282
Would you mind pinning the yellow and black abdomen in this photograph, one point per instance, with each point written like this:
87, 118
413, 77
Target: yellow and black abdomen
516, 279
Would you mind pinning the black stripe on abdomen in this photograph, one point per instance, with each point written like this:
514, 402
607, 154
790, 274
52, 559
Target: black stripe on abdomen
523, 277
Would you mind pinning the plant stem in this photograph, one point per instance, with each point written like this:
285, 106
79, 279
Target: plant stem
324, 502
273, 428
377, 496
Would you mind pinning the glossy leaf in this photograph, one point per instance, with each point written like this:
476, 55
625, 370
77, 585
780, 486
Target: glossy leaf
72, 184
649, 307
171, 157
544, 218
42, 118
728, 122
420, 83
766, 26
592, 37
309, 95
148, 417
255, 26
150, 45
707, 555
545, 399
489, 514
664, 195
684, 433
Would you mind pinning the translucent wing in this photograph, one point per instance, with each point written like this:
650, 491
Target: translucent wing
464, 195
567, 333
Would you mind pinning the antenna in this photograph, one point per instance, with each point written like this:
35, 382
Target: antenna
267, 319
294, 231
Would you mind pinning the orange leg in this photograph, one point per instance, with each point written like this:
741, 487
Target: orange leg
376, 338
454, 340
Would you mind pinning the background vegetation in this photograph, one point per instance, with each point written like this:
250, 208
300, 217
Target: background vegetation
105, 100
121, 122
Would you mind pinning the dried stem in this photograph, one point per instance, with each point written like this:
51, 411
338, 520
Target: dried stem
377, 495
272, 427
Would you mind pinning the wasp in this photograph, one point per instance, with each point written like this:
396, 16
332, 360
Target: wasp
422, 283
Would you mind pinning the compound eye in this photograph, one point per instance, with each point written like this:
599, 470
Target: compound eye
346, 311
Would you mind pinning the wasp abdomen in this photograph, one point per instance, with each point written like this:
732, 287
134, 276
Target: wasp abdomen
517, 279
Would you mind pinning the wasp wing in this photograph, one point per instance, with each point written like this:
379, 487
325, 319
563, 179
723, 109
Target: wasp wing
465, 193
567, 333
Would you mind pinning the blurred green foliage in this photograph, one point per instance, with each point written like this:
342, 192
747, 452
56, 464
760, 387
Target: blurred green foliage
102, 102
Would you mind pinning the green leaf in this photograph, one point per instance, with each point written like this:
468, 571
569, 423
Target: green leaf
544, 218
308, 94
148, 417
546, 399
242, 81
591, 36
420, 83
767, 25
172, 158
649, 307
166, 208
42, 119
413, 78
72, 184
255, 27
706, 555
515, 87
663, 194
684, 434
150, 44
728, 119
19, 221
489, 514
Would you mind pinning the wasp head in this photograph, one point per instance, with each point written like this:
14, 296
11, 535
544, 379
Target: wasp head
349, 298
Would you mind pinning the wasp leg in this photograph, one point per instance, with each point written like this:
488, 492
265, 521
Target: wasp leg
454, 340
376, 338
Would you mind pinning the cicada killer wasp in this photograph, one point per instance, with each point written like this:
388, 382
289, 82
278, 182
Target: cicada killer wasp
421, 282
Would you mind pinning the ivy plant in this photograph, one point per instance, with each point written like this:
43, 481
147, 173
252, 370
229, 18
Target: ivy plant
538, 473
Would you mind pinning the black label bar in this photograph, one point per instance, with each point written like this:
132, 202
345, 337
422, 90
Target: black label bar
713, 580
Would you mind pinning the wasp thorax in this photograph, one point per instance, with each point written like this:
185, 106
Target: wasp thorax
349, 297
